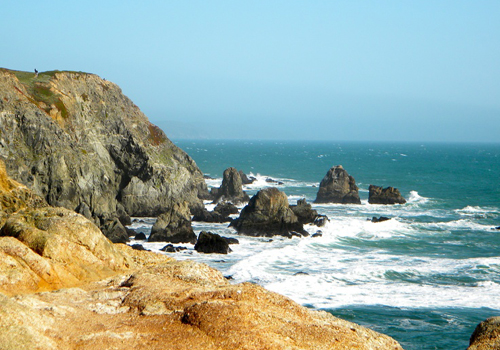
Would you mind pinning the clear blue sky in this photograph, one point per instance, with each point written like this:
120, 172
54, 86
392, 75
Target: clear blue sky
339, 70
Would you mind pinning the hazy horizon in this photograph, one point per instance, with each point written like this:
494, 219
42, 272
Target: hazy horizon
417, 71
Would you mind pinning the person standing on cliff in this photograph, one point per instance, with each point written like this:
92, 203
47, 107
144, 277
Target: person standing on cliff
36, 73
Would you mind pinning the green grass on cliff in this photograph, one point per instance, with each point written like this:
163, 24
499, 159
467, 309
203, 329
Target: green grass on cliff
39, 89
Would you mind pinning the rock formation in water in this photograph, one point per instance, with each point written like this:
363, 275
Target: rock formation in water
209, 242
388, 195
338, 187
245, 179
79, 143
174, 226
304, 211
267, 214
486, 336
121, 298
231, 189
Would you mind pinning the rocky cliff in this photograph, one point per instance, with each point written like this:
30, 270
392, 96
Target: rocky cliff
78, 142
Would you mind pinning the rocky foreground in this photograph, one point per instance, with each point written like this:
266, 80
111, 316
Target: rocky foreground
64, 285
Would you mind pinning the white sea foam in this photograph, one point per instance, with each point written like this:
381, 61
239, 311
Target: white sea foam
478, 212
462, 224
415, 198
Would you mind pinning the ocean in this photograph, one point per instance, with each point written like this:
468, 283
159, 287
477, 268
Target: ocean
426, 277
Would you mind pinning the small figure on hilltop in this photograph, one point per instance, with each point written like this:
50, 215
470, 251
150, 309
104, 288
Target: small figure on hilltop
36, 73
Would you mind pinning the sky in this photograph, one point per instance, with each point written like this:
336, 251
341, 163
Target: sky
291, 70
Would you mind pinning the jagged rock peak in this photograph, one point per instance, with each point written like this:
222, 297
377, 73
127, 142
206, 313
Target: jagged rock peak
231, 188
77, 141
338, 187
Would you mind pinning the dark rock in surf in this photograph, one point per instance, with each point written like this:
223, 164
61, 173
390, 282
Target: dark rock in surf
204, 215
317, 234
138, 247
211, 243
497, 228
231, 189
230, 240
304, 211
338, 187
174, 226
321, 220
115, 231
140, 237
245, 179
130, 232
267, 214
380, 219
273, 181
169, 248
226, 209
486, 336
389, 195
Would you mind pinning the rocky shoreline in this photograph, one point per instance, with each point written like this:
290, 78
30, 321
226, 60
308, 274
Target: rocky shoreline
83, 159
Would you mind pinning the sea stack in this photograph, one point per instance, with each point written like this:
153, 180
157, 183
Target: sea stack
388, 195
338, 187
267, 214
231, 189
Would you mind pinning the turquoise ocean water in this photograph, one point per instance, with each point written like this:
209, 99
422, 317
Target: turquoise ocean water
426, 277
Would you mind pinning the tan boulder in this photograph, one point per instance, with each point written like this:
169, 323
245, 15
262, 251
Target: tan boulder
55, 247
486, 336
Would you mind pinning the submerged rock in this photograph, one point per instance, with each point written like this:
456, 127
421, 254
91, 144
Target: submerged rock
338, 187
209, 242
231, 189
486, 336
379, 219
174, 226
267, 214
388, 195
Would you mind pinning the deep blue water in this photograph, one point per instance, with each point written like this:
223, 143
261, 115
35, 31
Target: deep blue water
426, 277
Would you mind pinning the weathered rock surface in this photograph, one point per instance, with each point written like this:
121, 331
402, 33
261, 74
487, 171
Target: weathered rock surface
174, 226
78, 142
220, 213
245, 179
267, 214
115, 231
486, 336
226, 208
44, 248
167, 304
304, 211
209, 242
388, 195
338, 187
231, 189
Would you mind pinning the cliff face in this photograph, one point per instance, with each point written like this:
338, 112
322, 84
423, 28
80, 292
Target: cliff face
79, 143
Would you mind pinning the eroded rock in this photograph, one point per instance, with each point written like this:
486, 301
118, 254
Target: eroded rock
267, 214
338, 187
388, 195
